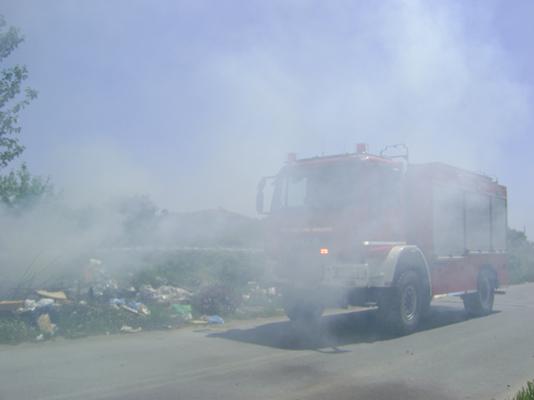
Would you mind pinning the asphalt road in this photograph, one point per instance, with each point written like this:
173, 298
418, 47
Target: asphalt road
349, 357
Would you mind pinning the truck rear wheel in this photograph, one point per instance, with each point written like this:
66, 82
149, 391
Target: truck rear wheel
400, 308
481, 302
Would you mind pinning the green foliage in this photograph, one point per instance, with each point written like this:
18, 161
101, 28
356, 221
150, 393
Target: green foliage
194, 268
210, 228
216, 299
526, 393
140, 219
520, 257
20, 189
217, 276
13, 97
15, 330
77, 320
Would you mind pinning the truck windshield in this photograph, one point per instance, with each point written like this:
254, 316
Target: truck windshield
335, 186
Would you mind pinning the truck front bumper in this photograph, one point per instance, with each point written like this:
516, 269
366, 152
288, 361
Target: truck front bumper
340, 276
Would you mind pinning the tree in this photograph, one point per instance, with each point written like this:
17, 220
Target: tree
13, 98
20, 189
140, 219
520, 257
17, 186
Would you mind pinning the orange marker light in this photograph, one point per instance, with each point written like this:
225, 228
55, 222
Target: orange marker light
323, 251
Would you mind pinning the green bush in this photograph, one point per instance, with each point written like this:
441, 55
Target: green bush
82, 320
216, 299
520, 257
527, 393
193, 269
14, 330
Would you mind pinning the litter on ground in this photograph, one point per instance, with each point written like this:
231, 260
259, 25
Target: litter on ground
59, 295
129, 329
45, 324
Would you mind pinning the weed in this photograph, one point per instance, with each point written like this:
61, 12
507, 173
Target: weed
527, 393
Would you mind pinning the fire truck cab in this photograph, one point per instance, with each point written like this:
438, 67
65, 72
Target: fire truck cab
362, 229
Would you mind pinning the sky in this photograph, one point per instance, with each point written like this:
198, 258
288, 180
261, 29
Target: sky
191, 102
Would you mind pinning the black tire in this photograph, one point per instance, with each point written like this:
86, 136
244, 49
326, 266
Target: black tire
400, 308
480, 303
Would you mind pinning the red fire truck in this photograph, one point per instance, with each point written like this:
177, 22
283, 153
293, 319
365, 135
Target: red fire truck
363, 229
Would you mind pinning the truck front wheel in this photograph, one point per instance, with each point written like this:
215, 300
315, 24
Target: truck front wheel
481, 302
400, 307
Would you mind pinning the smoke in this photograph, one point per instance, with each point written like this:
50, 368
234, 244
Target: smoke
97, 171
217, 98
192, 115
50, 238
320, 80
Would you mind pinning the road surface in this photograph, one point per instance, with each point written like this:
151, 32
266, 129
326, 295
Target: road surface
349, 357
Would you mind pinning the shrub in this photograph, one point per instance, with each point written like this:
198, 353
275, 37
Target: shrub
196, 268
527, 393
14, 330
216, 299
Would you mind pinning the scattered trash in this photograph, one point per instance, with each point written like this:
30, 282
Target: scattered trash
45, 325
198, 322
59, 295
128, 308
129, 329
30, 305
106, 288
142, 309
133, 306
215, 320
11, 305
100, 285
216, 299
27, 305
183, 311
93, 302
164, 294
117, 302
258, 296
44, 303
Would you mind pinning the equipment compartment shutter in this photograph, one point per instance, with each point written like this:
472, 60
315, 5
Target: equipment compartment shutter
498, 211
448, 220
477, 221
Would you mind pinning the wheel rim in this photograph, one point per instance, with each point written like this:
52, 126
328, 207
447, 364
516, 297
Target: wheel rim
409, 303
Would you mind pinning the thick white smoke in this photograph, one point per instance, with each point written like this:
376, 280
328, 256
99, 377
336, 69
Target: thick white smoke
306, 77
